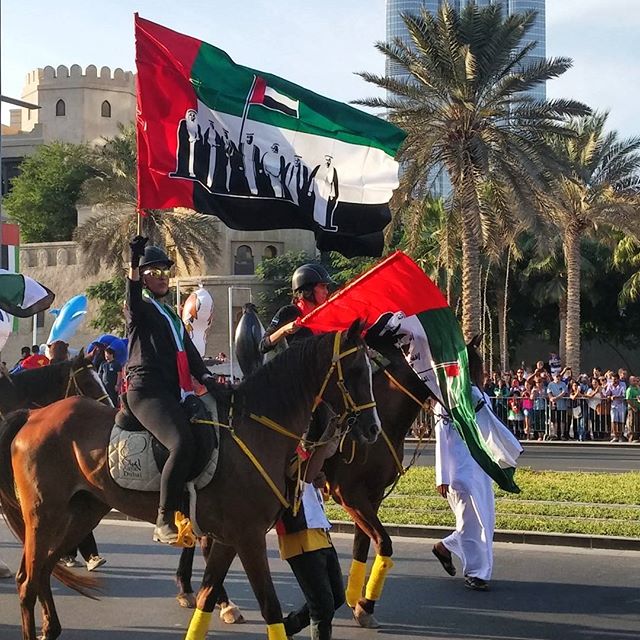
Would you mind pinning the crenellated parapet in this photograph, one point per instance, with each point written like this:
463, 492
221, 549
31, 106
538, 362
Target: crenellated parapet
75, 75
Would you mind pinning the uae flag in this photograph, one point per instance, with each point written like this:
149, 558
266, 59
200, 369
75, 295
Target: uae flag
22, 296
397, 297
256, 150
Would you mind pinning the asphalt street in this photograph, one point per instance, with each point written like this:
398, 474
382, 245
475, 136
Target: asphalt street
537, 593
560, 457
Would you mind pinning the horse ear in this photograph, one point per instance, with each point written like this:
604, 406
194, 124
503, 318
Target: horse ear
82, 356
356, 329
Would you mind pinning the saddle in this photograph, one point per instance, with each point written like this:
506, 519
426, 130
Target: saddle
136, 458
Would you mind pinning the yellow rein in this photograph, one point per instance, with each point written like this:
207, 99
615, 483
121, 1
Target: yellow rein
350, 407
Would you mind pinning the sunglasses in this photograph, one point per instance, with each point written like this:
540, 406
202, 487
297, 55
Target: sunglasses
158, 273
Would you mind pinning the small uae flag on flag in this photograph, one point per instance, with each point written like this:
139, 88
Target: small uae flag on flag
268, 97
396, 296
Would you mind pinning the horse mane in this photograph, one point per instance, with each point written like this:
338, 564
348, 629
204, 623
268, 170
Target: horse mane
287, 375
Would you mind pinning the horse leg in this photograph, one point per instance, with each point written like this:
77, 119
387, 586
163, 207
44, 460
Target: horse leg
358, 569
366, 517
219, 560
253, 555
229, 611
51, 627
185, 597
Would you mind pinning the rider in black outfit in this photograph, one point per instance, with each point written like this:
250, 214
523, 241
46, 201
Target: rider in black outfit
154, 392
310, 289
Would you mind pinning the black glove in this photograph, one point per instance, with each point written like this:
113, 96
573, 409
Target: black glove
137, 245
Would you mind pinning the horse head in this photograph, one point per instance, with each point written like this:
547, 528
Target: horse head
84, 381
353, 384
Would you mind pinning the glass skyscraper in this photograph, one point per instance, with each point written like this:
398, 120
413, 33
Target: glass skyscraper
396, 27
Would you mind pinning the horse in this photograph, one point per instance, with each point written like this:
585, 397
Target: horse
358, 479
51, 513
35, 388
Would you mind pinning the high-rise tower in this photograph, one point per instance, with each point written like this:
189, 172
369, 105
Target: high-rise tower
396, 27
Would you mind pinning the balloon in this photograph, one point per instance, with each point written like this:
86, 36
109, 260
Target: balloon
196, 315
68, 319
6, 322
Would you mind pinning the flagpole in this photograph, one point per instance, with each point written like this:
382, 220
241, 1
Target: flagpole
245, 112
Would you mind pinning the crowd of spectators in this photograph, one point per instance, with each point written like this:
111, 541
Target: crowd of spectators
549, 402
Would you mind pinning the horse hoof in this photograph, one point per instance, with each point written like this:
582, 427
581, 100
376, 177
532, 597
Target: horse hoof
231, 614
365, 619
186, 600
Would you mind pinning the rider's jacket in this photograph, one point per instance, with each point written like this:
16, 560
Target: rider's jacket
286, 314
152, 348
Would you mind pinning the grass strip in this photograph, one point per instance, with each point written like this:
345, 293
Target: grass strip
550, 501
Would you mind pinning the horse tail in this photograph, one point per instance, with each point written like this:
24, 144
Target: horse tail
9, 428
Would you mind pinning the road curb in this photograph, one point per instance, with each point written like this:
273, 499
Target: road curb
582, 541
553, 443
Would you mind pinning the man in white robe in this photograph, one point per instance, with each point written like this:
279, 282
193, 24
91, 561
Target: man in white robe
469, 491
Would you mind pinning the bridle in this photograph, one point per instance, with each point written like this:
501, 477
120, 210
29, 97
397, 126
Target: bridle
74, 389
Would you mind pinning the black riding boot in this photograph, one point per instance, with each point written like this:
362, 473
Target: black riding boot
166, 530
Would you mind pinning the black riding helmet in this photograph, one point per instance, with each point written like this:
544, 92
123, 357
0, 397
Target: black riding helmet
154, 256
308, 275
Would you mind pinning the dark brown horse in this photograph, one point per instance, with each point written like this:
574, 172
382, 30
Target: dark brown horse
35, 388
52, 513
358, 479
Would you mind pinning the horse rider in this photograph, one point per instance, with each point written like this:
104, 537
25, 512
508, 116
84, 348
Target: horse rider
161, 361
303, 537
310, 285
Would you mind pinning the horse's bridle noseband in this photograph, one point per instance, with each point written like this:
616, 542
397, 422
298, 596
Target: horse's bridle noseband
76, 387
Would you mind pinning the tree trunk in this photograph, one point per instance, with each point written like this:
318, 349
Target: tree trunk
503, 305
562, 347
572, 341
471, 286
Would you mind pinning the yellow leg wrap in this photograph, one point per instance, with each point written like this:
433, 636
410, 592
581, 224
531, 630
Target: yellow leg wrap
355, 584
381, 566
186, 537
276, 631
199, 625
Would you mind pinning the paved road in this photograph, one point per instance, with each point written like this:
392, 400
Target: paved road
538, 593
561, 457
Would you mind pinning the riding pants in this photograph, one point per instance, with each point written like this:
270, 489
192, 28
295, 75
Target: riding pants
162, 415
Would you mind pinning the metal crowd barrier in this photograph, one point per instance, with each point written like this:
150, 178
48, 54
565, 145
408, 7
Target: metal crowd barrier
581, 419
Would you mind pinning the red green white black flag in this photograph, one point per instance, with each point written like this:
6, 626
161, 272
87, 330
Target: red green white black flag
256, 150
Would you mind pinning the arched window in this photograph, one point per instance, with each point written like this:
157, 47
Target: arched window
243, 263
61, 109
105, 109
270, 251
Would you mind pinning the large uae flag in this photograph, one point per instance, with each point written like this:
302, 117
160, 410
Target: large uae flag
256, 150
22, 296
397, 296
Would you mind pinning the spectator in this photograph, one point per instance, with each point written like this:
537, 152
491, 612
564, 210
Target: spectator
514, 416
502, 394
35, 350
539, 398
25, 352
554, 364
557, 392
110, 373
540, 372
520, 379
577, 414
596, 408
34, 361
615, 391
567, 376
527, 409
633, 410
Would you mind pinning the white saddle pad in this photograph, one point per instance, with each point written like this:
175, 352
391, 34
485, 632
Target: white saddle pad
133, 466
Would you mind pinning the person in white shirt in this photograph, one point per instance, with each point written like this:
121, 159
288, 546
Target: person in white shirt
469, 491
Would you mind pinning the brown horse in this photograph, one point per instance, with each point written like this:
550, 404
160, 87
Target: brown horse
358, 479
52, 513
35, 388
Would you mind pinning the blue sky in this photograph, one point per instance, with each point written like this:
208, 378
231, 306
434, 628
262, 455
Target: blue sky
318, 45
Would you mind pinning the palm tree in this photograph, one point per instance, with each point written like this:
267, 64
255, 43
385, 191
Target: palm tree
463, 101
190, 236
601, 188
